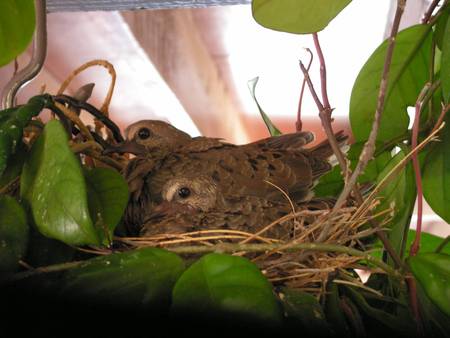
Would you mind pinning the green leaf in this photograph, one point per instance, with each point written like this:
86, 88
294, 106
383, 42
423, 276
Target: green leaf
436, 175
273, 130
440, 27
14, 165
428, 242
408, 74
399, 194
436, 323
303, 309
334, 313
395, 322
53, 185
17, 22
445, 62
432, 271
107, 198
219, 284
13, 234
12, 122
296, 16
332, 183
138, 278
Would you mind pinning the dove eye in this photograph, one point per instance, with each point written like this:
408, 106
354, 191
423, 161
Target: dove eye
184, 192
143, 133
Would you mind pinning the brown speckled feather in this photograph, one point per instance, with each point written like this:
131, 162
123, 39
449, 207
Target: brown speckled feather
243, 213
239, 170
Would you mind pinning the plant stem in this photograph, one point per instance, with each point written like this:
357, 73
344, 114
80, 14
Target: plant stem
443, 244
325, 117
230, 248
369, 147
429, 12
416, 165
298, 124
412, 288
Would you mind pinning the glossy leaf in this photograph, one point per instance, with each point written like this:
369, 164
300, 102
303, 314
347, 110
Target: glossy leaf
302, 308
13, 234
408, 74
219, 284
17, 23
107, 198
428, 242
332, 183
436, 323
432, 271
53, 185
445, 62
396, 323
436, 175
441, 26
14, 165
400, 195
138, 278
12, 123
296, 16
273, 130
334, 313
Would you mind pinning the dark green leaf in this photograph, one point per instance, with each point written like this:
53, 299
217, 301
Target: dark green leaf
273, 130
17, 24
395, 323
445, 62
13, 234
436, 175
334, 313
43, 251
332, 183
436, 323
12, 123
440, 27
296, 16
226, 285
432, 271
107, 197
53, 185
14, 165
400, 195
138, 278
303, 309
408, 74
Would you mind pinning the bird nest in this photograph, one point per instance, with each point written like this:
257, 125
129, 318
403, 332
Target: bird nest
301, 261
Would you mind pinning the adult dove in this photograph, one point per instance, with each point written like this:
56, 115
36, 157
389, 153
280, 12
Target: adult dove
261, 169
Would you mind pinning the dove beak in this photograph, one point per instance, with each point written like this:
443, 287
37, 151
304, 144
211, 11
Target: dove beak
131, 147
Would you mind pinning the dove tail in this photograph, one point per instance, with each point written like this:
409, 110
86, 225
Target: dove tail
324, 150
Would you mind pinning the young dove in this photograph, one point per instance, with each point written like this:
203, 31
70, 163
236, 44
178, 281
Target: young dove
196, 203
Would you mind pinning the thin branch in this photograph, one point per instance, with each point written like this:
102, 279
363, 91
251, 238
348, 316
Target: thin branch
443, 244
298, 124
416, 165
369, 147
398, 167
323, 74
326, 123
231, 248
430, 11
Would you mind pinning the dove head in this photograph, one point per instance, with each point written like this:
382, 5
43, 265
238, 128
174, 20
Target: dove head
151, 135
199, 193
